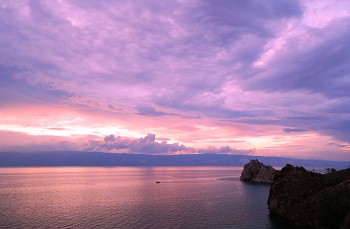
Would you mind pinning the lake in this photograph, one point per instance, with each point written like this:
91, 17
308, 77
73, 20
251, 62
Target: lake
129, 197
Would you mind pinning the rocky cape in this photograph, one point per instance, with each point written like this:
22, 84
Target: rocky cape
256, 171
311, 199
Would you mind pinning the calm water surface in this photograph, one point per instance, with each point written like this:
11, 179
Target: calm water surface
128, 197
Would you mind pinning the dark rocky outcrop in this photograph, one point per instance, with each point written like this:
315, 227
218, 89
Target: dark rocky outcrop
346, 221
310, 199
257, 172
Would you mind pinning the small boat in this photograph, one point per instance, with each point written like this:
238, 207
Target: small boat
157, 182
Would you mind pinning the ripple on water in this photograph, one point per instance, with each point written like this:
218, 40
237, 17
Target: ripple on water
119, 197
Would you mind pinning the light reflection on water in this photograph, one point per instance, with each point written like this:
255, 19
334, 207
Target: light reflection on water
128, 197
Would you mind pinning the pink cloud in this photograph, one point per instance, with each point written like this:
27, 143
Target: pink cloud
197, 74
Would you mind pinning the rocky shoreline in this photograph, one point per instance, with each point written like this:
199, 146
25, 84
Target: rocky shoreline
303, 197
311, 199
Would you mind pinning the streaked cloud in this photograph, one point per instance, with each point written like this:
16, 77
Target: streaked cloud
291, 130
208, 76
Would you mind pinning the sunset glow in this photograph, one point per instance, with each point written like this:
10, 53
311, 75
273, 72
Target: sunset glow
169, 77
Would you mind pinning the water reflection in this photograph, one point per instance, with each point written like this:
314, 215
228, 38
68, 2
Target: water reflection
128, 197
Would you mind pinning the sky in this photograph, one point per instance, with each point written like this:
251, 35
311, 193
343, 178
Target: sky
268, 78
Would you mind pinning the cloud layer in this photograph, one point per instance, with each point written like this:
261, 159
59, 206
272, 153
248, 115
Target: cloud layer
201, 75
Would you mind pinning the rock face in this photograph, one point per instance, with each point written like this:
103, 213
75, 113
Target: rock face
257, 172
346, 221
310, 199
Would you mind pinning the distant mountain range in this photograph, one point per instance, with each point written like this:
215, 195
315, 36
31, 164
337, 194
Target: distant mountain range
75, 158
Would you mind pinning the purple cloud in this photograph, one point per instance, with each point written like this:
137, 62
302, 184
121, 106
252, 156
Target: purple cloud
147, 110
149, 145
109, 138
291, 130
338, 145
146, 145
178, 69
321, 68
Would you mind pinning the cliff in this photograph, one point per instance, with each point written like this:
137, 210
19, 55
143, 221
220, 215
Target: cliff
310, 199
257, 172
